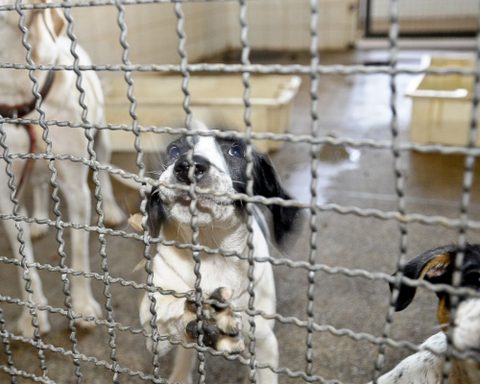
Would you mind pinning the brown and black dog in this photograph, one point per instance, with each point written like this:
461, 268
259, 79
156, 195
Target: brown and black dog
425, 367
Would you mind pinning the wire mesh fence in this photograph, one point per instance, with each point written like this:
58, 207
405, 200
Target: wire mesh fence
429, 19
117, 289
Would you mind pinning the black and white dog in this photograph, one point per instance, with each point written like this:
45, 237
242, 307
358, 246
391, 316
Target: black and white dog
425, 367
220, 165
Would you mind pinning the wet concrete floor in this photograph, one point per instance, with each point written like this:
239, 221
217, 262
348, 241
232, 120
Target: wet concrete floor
354, 106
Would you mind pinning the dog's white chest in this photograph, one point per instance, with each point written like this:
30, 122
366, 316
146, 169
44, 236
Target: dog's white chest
173, 270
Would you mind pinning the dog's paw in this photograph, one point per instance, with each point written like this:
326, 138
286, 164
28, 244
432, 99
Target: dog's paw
113, 214
37, 230
221, 326
24, 325
86, 306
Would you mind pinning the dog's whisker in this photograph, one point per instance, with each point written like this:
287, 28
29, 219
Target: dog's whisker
439, 327
154, 173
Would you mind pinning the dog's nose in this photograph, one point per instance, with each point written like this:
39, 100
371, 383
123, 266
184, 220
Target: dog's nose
182, 166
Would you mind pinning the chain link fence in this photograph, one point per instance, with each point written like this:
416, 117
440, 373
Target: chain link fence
118, 369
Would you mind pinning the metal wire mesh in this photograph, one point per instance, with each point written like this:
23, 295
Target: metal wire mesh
312, 266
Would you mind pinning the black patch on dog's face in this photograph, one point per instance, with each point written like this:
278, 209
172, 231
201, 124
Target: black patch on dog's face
265, 183
233, 151
176, 149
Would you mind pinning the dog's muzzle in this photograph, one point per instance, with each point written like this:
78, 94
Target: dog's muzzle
182, 166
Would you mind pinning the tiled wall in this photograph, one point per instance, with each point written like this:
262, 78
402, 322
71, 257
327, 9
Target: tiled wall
211, 28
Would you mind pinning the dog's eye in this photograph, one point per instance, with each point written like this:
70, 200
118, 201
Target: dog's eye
173, 152
236, 150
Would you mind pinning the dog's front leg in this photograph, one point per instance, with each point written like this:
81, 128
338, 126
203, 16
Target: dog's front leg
73, 178
183, 366
40, 190
24, 323
170, 324
113, 214
266, 349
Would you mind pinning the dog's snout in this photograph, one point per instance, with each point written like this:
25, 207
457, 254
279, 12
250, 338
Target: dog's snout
182, 166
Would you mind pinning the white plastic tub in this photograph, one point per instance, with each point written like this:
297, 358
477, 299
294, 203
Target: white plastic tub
442, 104
214, 98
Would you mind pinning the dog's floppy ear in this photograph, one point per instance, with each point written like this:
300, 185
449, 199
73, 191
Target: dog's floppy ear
55, 22
434, 266
266, 183
156, 212
45, 28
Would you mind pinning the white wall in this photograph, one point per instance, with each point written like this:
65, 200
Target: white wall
211, 28
152, 33
427, 8
285, 24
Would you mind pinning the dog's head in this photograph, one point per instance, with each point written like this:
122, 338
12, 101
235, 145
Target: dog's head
437, 266
220, 166
44, 28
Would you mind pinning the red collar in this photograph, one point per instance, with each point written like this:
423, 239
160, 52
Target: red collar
20, 110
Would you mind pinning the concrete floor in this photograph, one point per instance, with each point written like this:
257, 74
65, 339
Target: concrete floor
353, 106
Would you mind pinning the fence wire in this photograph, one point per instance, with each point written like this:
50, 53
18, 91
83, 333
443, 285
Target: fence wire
115, 365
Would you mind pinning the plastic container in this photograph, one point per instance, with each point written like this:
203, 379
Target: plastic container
442, 104
214, 99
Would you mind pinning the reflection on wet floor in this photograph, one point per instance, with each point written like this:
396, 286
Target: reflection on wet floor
334, 159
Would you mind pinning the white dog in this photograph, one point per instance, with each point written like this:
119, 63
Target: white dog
51, 46
220, 166
425, 367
